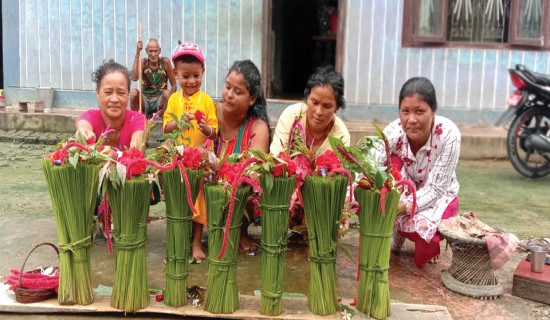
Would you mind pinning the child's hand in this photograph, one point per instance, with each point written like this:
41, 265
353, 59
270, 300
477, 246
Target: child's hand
188, 118
207, 130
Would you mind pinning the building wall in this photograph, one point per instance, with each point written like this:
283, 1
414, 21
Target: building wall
59, 43
376, 66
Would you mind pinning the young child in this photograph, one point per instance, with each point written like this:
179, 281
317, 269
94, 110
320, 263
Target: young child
188, 60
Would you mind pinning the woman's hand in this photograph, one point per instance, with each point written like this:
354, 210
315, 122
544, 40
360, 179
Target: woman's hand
207, 130
401, 208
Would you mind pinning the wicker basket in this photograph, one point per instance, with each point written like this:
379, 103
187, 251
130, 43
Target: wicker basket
34, 295
471, 272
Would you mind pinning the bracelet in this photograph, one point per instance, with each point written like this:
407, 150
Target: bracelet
211, 131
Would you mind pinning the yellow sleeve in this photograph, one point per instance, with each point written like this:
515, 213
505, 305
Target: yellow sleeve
172, 107
210, 114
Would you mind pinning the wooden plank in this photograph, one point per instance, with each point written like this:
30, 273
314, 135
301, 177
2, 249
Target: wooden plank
249, 306
462, 84
31, 61
222, 45
200, 23
153, 21
541, 62
425, 63
529, 59
377, 65
22, 44
476, 81
65, 42
234, 32
76, 45
189, 20
449, 93
43, 44
120, 33
98, 35
245, 51
55, 59
257, 33
87, 45
502, 81
365, 49
177, 28
210, 48
489, 71
165, 40
108, 29
390, 54
437, 70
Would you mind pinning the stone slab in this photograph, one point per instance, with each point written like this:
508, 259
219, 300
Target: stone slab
293, 308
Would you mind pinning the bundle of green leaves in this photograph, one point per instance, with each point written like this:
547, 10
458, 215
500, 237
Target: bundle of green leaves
278, 181
72, 175
378, 194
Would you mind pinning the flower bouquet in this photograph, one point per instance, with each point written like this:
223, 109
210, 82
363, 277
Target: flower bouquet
180, 183
225, 205
129, 196
378, 196
72, 175
323, 195
277, 180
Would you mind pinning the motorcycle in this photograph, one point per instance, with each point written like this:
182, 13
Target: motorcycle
528, 139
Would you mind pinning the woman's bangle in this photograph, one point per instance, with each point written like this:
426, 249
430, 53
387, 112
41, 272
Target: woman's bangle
211, 131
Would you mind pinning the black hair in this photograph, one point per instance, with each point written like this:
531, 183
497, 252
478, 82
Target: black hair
107, 67
422, 87
327, 76
187, 58
253, 82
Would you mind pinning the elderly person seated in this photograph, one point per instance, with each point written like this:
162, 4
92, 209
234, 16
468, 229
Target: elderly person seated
425, 148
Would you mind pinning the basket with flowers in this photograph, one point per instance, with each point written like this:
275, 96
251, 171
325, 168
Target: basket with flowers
378, 193
72, 175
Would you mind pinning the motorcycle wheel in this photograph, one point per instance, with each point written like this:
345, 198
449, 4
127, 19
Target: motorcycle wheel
530, 163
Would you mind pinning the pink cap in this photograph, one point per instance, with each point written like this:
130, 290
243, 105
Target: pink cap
190, 48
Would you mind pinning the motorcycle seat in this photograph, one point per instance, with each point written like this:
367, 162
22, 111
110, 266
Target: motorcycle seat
542, 79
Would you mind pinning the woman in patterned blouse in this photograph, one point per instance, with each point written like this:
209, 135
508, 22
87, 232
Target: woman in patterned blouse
425, 148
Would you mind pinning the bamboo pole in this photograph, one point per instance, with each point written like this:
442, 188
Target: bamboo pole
140, 70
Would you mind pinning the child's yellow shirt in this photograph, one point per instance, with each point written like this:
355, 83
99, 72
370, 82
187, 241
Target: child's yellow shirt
178, 104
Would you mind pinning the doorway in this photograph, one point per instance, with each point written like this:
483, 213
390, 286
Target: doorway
303, 36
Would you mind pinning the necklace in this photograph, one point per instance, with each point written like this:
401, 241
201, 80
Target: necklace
325, 134
196, 105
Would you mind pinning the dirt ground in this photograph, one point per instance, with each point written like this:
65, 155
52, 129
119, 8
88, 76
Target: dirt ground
27, 219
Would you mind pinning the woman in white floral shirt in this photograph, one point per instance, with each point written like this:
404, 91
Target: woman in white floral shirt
425, 149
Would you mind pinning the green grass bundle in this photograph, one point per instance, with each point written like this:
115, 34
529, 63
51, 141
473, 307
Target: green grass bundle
323, 202
373, 294
130, 208
275, 204
178, 232
222, 295
74, 195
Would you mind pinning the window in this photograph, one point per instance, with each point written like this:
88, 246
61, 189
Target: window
476, 23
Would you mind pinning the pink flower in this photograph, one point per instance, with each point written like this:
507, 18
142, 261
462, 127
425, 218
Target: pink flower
328, 160
191, 158
129, 160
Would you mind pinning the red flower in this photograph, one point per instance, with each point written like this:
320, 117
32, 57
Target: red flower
396, 173
191, 158
159, 297
90, 141
328, 160
58, 155
229, 172
303, 167
199, 115
133, 167
278, 170
291, 169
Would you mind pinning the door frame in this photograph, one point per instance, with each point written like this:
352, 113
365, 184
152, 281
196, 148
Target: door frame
267, 14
